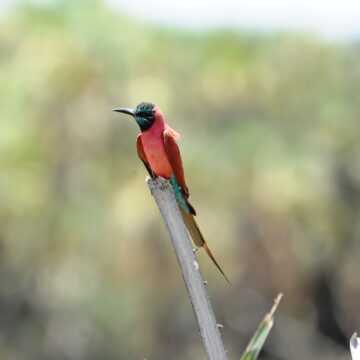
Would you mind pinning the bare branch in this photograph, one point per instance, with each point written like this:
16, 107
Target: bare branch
209, 329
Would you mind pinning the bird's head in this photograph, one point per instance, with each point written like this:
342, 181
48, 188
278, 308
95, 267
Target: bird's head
144, 114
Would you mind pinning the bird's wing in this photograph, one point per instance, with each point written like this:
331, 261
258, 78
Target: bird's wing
175, 160
142, 155
188, 216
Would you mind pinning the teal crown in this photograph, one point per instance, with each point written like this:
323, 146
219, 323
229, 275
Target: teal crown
145, 115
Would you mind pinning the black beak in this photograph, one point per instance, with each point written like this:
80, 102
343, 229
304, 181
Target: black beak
125, 111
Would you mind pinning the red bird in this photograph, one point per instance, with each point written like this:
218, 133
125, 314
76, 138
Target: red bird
157, 148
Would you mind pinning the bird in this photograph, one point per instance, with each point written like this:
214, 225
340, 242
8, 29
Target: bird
158, 150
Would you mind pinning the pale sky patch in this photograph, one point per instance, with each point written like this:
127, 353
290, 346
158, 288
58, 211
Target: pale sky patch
332, 19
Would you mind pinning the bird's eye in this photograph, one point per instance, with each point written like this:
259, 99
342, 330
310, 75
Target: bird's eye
144, 114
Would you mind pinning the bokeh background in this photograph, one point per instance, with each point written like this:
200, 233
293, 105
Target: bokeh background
270, 141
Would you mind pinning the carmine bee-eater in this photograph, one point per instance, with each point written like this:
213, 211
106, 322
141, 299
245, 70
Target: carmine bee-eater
157, 148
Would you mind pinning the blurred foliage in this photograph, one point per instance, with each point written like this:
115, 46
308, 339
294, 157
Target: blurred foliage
257, 341
270, 128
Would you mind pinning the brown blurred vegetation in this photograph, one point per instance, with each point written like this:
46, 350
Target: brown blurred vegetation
270, 141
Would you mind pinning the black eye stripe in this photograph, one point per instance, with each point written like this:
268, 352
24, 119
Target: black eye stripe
145, 115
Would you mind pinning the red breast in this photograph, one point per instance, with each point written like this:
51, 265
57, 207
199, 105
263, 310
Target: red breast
154, 147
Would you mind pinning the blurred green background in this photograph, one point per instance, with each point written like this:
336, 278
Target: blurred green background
270, 142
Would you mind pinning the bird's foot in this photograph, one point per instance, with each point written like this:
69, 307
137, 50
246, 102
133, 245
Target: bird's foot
163, 183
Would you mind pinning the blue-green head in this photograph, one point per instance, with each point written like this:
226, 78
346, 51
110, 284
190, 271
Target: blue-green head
144, 114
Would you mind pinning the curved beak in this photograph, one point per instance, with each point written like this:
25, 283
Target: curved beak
125, 111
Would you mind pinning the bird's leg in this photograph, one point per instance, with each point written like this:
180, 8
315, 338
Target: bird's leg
152, 174
163, 183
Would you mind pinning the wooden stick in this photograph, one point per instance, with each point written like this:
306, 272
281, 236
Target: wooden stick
209, 329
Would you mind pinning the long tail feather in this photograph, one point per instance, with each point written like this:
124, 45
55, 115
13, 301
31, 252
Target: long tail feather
198, 237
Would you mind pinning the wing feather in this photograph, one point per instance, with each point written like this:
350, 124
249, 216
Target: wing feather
174, 157
142, 155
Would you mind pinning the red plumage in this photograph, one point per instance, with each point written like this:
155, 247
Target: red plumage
158, 150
